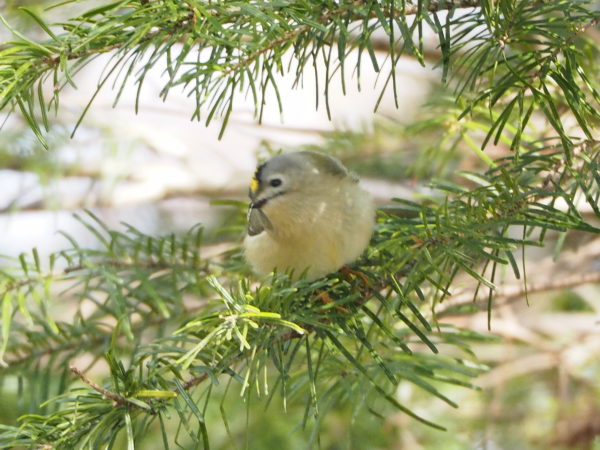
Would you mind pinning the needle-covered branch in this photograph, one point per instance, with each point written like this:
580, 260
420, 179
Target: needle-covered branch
178, 333
278, 337
495, 52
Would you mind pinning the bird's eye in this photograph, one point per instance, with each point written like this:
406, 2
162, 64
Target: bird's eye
275, 182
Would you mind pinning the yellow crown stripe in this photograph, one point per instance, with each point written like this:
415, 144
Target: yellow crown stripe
254, 184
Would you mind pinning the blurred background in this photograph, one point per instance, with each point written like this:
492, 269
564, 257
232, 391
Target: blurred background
161, 172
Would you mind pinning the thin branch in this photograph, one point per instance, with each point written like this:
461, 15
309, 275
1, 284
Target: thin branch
118, 263
408, 11
554, 174
509, 293
194, 381
117, 399
329, 15
434, 6
91, 343
55, 60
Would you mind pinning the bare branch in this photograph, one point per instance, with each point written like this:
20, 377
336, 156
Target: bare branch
117, 399
509, 293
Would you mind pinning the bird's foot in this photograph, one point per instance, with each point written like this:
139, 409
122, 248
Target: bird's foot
349, 274
326, 299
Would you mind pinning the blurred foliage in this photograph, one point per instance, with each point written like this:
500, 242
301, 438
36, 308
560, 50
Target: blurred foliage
100, 345
21, 151
570, 301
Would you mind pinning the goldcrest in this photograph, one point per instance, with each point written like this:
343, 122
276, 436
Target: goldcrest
307, 214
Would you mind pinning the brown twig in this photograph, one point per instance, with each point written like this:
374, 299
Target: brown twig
118, 400
554, 175
434, 6
53, 61
194, 381
579, 432
509, 293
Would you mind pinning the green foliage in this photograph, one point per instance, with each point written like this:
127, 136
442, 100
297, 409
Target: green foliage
276, 338
503, 54
272, 340
21, 151
179, 333
570, 301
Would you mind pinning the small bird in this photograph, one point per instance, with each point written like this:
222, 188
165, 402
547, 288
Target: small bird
307, 213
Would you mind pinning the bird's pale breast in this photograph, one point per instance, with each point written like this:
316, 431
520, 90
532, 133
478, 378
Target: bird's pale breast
316, 233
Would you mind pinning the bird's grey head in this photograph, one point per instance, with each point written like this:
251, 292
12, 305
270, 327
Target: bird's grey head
290, 172
287, 176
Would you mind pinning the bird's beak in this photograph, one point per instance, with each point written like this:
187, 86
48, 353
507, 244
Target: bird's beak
257, 204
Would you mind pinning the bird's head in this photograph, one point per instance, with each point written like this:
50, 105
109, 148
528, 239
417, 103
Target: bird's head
290, 187
293, 173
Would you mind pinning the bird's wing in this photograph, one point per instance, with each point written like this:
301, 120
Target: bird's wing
329, 165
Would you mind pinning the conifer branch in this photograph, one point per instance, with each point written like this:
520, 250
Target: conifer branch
168, 320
